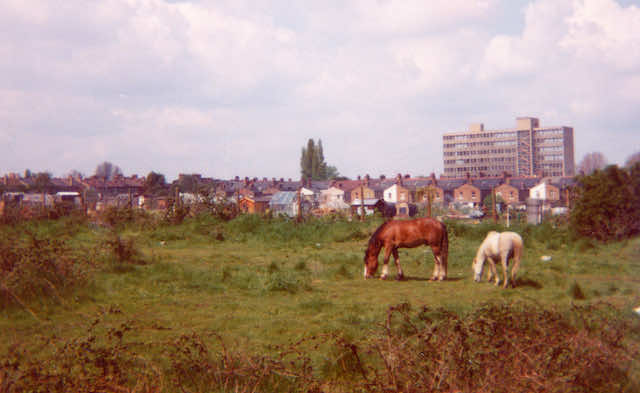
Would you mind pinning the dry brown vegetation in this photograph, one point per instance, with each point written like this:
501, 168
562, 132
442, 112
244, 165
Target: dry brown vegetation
495, 348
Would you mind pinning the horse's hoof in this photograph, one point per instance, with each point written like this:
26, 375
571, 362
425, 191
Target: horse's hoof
383, 277
400, 277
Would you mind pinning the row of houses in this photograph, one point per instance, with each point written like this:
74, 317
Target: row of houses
403, 192
288, 196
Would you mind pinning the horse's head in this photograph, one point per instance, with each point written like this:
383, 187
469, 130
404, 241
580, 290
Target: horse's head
370, 263
477, 265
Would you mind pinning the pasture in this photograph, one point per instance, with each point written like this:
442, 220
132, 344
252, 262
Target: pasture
274, 305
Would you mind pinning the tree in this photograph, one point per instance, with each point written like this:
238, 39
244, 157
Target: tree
313, 165
155, 183
635, 157
606, 205
592, 162
107, 171
42, 182
76, 174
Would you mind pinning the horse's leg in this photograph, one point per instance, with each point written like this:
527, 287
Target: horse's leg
385, 266
514, 270
494, 271
489, 270
515, 267
396, 259
504, 259
437, 269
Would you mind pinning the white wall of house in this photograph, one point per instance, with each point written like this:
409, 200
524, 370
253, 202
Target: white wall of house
540, 191
332, 194
391, 195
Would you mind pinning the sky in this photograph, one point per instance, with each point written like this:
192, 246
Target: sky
236, 87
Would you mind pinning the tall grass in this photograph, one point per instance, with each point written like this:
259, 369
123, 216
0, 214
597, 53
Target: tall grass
508, 348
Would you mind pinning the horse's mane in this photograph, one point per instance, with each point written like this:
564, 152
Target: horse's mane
374, 242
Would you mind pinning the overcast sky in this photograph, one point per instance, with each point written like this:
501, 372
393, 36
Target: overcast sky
236, 88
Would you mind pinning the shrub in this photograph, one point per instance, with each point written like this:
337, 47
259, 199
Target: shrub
37, 267
122, 250
285, 281
607, 204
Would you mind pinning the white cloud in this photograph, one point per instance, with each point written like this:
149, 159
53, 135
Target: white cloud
235, 88
602, 31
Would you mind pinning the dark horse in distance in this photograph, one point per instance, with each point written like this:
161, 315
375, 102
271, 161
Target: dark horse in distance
407, 234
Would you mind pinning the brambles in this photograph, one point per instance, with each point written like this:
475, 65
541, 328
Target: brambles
35, 267
607, 204
505, 347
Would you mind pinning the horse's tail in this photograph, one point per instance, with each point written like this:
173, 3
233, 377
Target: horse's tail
444, 248
518, 246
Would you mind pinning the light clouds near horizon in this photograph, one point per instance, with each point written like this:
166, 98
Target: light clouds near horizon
236, 88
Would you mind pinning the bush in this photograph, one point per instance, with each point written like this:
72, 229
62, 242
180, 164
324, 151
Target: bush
607, 204
34, 267
508, 348
122, 250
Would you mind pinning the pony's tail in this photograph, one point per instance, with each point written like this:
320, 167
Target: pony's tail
444, 249
517, 256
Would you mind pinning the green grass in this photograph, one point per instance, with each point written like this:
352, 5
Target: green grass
273, 283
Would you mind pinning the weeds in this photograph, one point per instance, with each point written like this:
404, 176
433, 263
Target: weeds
501, 348
34, 267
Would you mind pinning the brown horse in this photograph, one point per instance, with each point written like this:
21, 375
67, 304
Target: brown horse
408, 234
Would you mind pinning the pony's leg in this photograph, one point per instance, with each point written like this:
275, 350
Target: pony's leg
396, 259
385, 266
494, 271
504, 259
514, 270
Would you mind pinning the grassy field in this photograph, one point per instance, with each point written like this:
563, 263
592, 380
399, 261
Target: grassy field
255, 287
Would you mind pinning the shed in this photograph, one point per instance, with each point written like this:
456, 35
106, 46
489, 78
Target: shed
284, 202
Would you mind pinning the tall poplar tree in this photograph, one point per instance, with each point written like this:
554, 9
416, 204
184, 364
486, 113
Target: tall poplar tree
312, 164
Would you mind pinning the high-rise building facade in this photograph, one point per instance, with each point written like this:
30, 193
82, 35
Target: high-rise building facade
526, 150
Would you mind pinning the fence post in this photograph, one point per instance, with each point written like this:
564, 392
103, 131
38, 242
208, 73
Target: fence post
493, 206
300, 204
362, 217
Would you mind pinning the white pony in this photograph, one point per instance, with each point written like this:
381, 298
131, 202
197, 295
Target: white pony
498, 246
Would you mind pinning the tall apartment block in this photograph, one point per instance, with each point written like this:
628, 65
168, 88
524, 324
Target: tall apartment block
526, 150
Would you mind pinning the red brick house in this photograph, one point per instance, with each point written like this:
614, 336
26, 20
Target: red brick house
467, 193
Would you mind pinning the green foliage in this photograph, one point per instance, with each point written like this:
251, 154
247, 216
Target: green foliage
607, 204
507, 347
123, 250
155, 184
312, 164
107, 170
35, 267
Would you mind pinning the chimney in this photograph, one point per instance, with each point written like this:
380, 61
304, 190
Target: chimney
433, 179
506, 178
358, 177
468, 178
366, 180
399, 179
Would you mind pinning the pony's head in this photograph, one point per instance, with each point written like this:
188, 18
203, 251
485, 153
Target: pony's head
477, 265
370, 263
